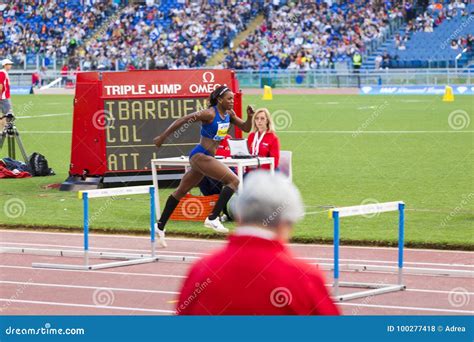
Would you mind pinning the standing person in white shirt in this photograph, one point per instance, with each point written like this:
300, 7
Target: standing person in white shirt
5, 101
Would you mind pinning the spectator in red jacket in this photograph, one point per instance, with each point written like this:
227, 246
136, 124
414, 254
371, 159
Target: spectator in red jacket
35, 79
64, 74
255, 273
5, 100
263, 141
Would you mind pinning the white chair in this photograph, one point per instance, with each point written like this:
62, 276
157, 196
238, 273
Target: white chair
285, 165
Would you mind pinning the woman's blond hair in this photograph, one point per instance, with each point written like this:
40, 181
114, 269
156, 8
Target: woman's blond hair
270, 126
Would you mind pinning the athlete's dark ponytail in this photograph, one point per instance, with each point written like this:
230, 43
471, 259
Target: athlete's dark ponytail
218, 92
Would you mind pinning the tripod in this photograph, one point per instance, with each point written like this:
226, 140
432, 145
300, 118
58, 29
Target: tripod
10, 132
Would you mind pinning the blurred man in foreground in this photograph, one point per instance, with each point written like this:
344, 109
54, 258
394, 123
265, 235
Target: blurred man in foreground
255, 273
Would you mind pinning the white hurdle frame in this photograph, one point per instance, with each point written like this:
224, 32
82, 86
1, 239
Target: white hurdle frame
372, 288
127, 259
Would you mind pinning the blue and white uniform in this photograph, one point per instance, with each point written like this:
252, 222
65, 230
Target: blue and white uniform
216, 130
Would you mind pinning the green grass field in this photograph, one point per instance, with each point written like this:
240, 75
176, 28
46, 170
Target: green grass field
347, 150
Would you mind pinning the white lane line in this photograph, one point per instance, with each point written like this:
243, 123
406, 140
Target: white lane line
118, 289
172, 276
366, 107
406, 308
98, 249
122, 308
42, 116
222, 242
392, 307
162, 251
440, 291
47, 132
156, 275
414, 101
165, 275
375, 132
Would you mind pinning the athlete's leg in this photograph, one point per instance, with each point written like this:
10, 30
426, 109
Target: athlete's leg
189, 180
211, 167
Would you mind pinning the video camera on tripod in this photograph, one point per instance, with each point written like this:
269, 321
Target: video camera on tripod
37, 163
9, 116
10, 132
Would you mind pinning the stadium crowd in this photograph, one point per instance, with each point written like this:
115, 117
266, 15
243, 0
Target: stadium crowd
293, 35
180, 34
307, 35
181, 37
48, 27
435, 14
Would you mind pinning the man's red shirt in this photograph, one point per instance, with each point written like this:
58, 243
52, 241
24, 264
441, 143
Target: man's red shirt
254, 276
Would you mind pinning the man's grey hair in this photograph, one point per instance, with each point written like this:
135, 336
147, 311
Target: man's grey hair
268, 200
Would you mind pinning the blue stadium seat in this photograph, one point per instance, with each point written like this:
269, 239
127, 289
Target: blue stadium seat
425, 49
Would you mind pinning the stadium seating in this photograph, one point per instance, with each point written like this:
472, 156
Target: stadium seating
166, 35
48, 27
430, 49
312, 35
170, 34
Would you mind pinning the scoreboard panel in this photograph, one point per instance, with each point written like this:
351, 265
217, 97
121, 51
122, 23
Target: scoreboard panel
133, 124
117, 115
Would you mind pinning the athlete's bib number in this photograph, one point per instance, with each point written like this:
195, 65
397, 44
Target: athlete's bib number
222, 129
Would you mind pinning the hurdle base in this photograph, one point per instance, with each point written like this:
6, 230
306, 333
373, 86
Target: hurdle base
94, 267
70, 253
145, 260
373, 290
444, 272
125, 259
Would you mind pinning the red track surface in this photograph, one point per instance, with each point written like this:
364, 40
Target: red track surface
152, 288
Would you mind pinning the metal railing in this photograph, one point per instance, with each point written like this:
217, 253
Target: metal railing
32, 62
344, 79
305, 79
393, 26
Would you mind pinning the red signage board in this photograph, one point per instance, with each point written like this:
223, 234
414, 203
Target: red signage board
117, 115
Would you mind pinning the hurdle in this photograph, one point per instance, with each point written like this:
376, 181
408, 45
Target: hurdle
125, 259
372, 289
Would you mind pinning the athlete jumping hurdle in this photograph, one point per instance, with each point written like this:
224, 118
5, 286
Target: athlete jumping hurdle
215, 122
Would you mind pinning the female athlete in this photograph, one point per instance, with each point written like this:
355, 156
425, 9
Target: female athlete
215, 122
